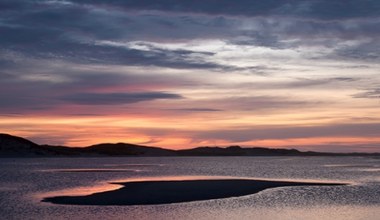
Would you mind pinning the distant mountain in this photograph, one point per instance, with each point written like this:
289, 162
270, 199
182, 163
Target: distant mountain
259, 151
122, 149
238, 151
12, 146
17, 146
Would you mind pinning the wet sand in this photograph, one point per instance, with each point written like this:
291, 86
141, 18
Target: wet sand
165, 192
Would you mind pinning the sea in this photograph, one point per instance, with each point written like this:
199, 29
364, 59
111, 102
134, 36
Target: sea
24, 182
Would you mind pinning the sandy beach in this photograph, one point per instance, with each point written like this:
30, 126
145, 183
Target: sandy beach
164, 192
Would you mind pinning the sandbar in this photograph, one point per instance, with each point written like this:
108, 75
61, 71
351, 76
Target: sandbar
177, 191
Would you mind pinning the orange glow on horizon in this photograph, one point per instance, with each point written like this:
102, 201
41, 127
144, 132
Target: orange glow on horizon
170, 132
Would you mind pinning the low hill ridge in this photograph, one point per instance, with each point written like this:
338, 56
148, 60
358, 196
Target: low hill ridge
13, 146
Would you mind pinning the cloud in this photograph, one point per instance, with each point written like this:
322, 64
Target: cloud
95, 53
197, 109
76, 31
305, 82
368, 51
253, 104
322, 9
116, 98
369, 94
40, 85
338, 147
288, 132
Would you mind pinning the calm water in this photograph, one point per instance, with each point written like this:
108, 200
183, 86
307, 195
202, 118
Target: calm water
24, 182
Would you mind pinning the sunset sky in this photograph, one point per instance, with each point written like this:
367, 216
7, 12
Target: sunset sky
180, 74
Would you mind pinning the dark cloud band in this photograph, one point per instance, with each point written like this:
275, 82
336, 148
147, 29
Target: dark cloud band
116, 98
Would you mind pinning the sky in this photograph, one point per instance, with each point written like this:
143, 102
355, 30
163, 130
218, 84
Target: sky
181, 74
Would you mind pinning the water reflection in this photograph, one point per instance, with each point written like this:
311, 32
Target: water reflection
359, 200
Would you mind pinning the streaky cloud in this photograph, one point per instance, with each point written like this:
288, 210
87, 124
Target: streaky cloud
322, 9
117, 98
297, 131
369, 94
197, 109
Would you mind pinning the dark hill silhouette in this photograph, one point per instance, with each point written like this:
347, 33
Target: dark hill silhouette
238, 151
12, 146
121, 149
17, 146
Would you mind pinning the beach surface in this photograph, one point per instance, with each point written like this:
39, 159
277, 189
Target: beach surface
166, 192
